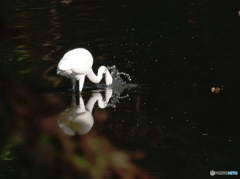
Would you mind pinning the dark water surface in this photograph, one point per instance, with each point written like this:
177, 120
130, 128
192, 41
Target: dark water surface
165, 124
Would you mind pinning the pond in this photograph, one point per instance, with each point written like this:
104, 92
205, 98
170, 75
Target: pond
177, 117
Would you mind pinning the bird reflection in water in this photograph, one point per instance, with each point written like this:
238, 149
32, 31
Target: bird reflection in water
78, 118
76, 64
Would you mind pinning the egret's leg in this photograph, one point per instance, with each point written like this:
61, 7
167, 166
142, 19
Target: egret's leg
73, 84
81, 83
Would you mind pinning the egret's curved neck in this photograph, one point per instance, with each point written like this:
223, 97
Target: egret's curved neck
92, 77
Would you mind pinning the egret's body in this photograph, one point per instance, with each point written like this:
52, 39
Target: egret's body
77, 63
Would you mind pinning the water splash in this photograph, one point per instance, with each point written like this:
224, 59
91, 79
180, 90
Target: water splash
117, 80
118, 85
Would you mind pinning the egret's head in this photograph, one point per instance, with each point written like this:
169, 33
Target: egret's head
102, 70
108, 78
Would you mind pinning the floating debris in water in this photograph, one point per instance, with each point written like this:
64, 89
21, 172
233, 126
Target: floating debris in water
215, 90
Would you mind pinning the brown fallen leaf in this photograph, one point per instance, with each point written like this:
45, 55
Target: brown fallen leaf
215, 90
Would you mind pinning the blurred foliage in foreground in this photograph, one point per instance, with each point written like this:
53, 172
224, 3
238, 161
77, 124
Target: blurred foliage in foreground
32, 144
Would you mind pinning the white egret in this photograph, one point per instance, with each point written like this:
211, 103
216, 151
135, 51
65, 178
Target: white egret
77, 63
